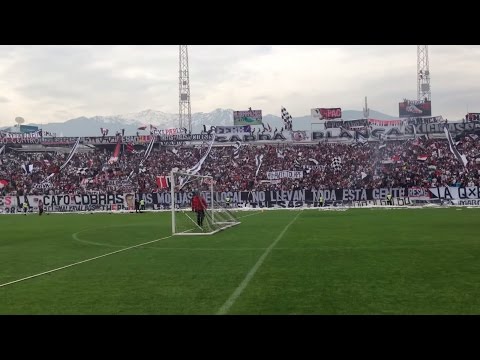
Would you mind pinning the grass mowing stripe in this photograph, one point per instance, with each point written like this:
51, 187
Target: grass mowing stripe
238, 291
94, 258
83, 261
77, 238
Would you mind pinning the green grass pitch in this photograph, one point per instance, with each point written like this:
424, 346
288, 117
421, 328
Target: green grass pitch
360, 261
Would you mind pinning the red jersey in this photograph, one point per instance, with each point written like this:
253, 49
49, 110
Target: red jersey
199, 203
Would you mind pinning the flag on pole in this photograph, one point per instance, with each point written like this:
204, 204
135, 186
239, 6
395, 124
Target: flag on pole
287, 119
72, 152
236, 149
198, 166
258, 162
460, 157
116, 152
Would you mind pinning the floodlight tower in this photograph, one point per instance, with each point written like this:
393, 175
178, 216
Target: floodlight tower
185, 109
423, 74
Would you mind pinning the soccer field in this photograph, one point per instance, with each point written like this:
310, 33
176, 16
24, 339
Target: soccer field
359, 261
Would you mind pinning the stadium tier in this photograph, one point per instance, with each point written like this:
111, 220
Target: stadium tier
287, 170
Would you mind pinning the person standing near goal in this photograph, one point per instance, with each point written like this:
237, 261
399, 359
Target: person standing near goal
199, 205
40, 207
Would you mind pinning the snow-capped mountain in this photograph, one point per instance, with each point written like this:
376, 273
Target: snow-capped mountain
84, 126
146, 117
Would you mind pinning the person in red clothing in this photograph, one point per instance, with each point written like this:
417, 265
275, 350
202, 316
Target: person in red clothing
199, 205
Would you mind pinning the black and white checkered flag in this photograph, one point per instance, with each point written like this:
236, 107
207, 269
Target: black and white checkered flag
336, 164
287, 119
82, 171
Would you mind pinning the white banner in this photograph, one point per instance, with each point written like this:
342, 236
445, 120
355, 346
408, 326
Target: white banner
35, 134
68, 202
456, 193
284, 174
239, 129
171, 131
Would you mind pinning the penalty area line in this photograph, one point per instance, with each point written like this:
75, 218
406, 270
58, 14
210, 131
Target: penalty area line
83, 261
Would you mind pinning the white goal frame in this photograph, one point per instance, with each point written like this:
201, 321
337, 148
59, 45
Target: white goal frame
211, 209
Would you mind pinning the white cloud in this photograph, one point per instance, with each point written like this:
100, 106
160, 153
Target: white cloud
56, 83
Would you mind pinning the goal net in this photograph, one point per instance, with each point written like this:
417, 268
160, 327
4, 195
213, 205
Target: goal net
202, 214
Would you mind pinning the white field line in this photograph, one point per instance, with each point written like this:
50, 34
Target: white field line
83, 261
87, 260
77, 238
238, 291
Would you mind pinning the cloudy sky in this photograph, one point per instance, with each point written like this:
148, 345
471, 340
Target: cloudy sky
56, 83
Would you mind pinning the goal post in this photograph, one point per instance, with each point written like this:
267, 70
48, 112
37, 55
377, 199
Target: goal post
209, 219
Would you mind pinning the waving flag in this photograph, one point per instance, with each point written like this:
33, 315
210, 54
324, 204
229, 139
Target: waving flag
236, 149
27, 169
183, 180
70, 156
198, 166
163, 182
55, 169
460, 157
145, 157
258, 162
287, 119
116, 152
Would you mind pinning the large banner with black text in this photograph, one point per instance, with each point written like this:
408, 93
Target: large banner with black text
285, 199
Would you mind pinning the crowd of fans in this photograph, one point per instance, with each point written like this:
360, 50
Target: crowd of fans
421, 162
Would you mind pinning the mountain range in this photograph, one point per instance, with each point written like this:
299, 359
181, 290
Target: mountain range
84, 126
